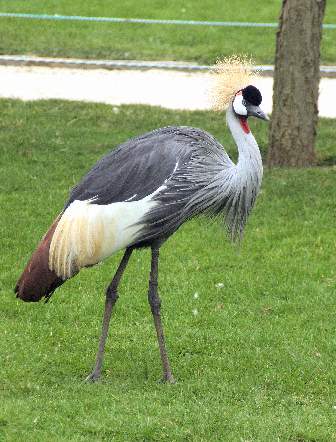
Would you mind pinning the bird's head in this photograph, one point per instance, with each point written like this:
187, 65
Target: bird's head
230, 77
246, 103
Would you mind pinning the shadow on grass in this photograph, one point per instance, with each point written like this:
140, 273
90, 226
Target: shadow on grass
327, 161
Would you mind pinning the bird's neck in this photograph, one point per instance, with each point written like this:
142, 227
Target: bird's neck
249, 158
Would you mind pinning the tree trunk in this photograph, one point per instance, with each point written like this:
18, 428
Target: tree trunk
296, 84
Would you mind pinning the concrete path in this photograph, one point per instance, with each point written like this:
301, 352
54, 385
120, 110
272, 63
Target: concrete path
170, 89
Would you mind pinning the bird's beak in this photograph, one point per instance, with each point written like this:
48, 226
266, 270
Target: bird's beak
255, 111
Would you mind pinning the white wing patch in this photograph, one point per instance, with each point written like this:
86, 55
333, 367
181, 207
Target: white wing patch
87, 233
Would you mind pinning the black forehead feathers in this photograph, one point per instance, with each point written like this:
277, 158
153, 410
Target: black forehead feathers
252, 95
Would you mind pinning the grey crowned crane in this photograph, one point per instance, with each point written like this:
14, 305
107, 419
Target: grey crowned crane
143, 191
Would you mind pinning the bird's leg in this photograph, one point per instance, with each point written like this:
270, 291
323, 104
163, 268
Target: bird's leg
111, 299
155, 303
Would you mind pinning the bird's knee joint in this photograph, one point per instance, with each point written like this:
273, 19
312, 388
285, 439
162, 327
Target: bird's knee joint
155, 307
154, 301
112, 294
153, 284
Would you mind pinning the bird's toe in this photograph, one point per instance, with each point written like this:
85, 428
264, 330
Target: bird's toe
93, 377
167, 379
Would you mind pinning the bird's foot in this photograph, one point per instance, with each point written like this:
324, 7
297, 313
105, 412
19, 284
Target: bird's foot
93, 377
168, 378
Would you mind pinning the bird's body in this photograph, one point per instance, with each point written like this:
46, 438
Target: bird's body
137, 196
140, 192
144, 190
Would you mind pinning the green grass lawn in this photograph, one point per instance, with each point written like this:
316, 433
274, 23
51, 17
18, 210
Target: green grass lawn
149, 42
257, 361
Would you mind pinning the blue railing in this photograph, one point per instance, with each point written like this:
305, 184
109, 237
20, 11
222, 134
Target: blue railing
144, 20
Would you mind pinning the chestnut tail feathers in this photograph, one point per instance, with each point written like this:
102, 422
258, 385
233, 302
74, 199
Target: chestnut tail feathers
37, 280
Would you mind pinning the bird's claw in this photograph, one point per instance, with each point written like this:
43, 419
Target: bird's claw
93, 377
167, 379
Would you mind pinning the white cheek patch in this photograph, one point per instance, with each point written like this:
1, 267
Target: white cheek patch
238, 105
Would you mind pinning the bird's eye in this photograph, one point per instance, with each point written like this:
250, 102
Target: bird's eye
244, 102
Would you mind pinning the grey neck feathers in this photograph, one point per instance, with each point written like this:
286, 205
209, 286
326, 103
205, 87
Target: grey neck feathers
209, 182
249, 159
246, 176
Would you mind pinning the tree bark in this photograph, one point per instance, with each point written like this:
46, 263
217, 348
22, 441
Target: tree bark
296, 84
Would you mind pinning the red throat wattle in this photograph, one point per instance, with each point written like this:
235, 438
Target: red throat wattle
244, 124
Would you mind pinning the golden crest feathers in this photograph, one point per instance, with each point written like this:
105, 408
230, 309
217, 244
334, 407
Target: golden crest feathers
229, 76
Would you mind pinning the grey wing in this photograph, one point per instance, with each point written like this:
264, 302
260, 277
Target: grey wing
194, 188
134, 169
182, 161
